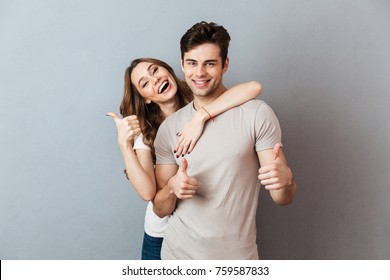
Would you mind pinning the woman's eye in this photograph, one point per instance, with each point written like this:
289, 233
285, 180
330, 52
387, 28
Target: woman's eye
155, 70
145, 84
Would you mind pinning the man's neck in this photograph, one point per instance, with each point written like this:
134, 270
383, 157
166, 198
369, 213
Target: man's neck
201, 101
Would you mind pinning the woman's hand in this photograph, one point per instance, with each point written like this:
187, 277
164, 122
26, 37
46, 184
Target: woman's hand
191, 133
128, 128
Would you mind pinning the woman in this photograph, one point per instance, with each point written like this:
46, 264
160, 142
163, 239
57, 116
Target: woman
153, 92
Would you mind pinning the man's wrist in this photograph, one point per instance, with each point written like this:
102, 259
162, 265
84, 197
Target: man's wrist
292, 187
169, 187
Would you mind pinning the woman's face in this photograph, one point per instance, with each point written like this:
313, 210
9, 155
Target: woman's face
154, 83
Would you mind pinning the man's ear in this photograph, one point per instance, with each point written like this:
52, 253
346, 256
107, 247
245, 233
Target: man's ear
226, 66
182, 65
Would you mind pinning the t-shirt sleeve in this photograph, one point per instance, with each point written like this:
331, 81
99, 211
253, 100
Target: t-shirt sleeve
163, 147
267, 127
139, 143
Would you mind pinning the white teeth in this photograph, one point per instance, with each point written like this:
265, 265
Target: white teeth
200, 82
162, 86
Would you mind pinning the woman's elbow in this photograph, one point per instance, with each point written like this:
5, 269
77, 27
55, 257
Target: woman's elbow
256, 88
148, 196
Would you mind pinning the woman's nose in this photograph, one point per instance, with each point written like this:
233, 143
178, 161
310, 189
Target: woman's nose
156, 79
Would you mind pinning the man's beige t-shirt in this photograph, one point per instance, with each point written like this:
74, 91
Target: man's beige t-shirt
219, 222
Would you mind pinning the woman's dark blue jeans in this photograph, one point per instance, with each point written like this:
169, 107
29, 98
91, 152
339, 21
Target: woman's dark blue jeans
151, 247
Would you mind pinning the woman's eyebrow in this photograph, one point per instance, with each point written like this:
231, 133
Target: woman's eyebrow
140, 80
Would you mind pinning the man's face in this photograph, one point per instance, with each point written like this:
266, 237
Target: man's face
203, 71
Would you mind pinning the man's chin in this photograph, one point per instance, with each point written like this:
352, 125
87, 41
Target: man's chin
201, 93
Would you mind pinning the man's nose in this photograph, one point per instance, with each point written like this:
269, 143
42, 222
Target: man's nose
200, 71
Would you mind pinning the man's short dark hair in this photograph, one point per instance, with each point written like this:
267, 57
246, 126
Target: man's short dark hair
203, 33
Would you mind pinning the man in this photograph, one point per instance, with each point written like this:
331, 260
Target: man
213, 196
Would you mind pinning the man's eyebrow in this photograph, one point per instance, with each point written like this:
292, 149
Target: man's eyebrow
206, 61
140, 80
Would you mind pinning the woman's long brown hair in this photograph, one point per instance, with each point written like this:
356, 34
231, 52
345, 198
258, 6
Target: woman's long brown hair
150, 115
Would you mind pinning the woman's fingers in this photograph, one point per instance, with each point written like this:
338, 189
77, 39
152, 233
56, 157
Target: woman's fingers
184, 149
128, 127
179, 147
183, 146
113, 115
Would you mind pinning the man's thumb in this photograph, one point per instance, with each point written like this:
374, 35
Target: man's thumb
184, 165
276, 150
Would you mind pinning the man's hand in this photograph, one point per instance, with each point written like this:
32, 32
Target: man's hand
183, 186
276, 175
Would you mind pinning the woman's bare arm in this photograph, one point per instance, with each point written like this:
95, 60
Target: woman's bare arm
233, 97
139, 165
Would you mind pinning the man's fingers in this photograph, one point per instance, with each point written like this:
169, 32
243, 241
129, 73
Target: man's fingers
187, 192
264, 170
193, 183
268, 175
187, 196
276, 150
184, 166
269, 181
273, 187
189, 189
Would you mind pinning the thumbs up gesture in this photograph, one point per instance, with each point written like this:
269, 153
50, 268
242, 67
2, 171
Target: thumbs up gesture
276, 150
276, 174
182, 185
128, 128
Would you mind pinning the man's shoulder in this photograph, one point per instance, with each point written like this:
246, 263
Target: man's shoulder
254, 104
258, 109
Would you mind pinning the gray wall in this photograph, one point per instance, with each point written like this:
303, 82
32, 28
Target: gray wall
325, 67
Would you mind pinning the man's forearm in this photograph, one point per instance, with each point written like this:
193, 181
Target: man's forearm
164, 202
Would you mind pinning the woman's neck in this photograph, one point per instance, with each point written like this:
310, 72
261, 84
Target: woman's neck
168, 108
